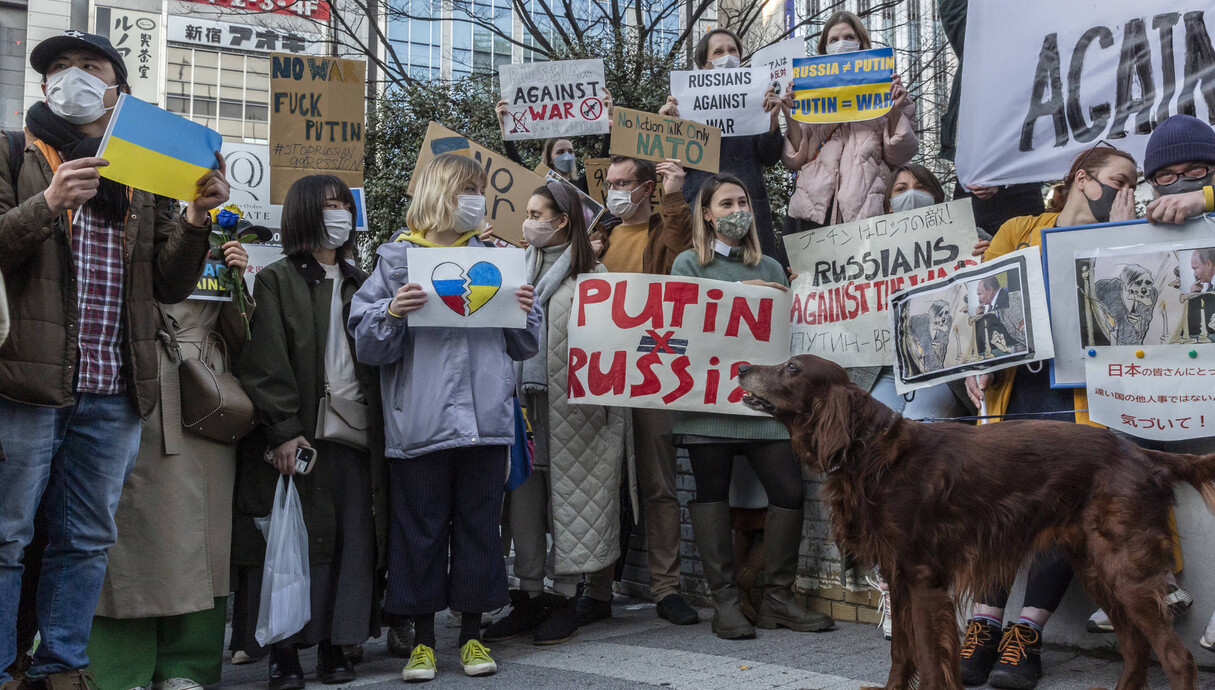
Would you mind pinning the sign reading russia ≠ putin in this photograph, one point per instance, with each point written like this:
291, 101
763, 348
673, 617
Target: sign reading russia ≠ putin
848, 87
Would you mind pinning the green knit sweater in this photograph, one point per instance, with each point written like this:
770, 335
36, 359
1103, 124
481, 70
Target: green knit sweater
725, 427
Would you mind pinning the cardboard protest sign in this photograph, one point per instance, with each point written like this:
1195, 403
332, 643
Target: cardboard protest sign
260, 256
671, 342
316, 120
847, 273
152, 149
468, 287
848, 87
509, 185
208, 288
1124, 284
656, 137
249, 177
979, 319
1047, 85
553, 99
778, 59
731, 100
1159, 392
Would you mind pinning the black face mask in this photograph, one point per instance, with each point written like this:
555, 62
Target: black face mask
1102, 205
1183, 185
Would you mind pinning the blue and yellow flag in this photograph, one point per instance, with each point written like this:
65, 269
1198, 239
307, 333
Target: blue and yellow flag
849, 87
154, 150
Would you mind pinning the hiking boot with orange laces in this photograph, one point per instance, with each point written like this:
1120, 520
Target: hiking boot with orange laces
980, 649
1020, 664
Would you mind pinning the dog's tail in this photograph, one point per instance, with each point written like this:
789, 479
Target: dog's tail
1196, 470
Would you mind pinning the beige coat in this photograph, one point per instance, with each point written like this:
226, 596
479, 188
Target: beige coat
175, 515
847, 166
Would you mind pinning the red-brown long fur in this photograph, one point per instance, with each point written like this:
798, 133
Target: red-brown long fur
952, 507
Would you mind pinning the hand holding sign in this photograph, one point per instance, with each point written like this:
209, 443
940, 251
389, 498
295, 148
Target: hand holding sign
672, 175
410, 297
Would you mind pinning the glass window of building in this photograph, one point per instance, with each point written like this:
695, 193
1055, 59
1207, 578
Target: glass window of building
227, 92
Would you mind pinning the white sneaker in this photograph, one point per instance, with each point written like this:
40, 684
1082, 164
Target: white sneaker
1208, 637
886, 622
1178, 599
240, 657
176, 684
1099, 623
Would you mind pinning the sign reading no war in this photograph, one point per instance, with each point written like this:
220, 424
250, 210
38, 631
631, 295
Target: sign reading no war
849, 87
653, 137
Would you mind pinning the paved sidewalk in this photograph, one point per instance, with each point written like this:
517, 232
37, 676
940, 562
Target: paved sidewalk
635, 649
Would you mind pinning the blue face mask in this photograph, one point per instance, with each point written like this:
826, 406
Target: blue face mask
564, 162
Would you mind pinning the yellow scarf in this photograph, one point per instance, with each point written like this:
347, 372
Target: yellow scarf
423, 242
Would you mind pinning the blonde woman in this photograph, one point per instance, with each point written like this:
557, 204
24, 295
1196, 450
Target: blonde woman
450, 421
726, 247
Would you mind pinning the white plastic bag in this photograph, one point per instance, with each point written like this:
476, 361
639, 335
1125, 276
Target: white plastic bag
286, 604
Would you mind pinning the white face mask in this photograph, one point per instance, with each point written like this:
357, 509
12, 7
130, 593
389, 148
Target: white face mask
620, 203
338, 223
843, 47
470, 212
539, 233
910, 200
726, 62
76, 95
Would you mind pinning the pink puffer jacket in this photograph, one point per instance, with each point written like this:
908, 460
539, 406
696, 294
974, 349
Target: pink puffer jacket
852, 167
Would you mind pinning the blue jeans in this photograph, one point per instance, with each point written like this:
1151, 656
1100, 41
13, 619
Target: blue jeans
74, 461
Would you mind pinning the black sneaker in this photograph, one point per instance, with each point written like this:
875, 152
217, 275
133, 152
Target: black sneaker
675, 609
1020, 664
560, 622
590, 610
980, 649
526, 612
400, 640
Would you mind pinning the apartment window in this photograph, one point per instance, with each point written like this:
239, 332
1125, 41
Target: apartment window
227, 92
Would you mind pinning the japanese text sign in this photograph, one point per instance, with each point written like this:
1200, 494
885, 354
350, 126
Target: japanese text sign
1166, 394
137, 36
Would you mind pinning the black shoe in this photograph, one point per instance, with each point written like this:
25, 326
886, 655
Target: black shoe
285, 671
400, 640
980, 649
1020, 664
590, 610
354, 653
332, 666
675, 609
560, 621
526, 612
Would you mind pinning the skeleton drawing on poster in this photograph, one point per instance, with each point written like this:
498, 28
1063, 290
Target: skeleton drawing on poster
1146, 295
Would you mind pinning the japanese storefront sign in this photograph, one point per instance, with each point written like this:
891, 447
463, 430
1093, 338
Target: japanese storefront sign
312, 9
207, 33
1168, 394
847, 273
139, 38
669, 342
317, 107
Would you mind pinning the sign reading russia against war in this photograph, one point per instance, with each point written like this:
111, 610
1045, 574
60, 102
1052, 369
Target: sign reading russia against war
564, 98
849, 87
669, 342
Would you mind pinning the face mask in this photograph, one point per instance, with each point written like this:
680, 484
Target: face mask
470, 212
564, 162
621, 203
539, 233
843, 47
338, 223
726, 62
1183, 185
911, 200
76, 95
734, 226
1102, 205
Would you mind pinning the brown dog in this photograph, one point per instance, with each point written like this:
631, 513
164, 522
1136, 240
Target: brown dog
952, 506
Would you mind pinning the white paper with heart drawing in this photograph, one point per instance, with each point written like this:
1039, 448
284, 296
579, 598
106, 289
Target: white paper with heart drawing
468, 287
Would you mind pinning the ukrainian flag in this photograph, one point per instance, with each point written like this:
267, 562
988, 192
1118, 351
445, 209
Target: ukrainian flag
154, 150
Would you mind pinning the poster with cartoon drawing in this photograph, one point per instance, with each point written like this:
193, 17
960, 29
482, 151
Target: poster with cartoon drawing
468, 287
983, 318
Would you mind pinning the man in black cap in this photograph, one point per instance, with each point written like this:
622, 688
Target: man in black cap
85, 260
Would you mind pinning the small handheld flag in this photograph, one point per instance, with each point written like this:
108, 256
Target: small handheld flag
157, 151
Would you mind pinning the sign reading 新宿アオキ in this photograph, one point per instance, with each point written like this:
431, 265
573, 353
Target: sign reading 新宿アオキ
508, 185
1048, 84
670, 342
316, 120
553, 99
848, 87
847, 273
730, 99
657, 137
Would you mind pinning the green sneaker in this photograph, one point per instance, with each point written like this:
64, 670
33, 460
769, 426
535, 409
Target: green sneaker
475, 659
421, 666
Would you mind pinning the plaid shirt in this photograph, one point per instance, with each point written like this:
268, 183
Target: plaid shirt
98, 253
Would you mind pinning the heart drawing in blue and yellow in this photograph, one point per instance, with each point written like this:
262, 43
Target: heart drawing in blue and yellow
466, 292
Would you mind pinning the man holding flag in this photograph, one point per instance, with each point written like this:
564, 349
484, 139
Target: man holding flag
86, 259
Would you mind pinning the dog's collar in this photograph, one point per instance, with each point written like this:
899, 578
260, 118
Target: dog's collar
895, 418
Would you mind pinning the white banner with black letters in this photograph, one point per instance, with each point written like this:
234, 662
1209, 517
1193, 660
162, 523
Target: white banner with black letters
1043, 85
731, 100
